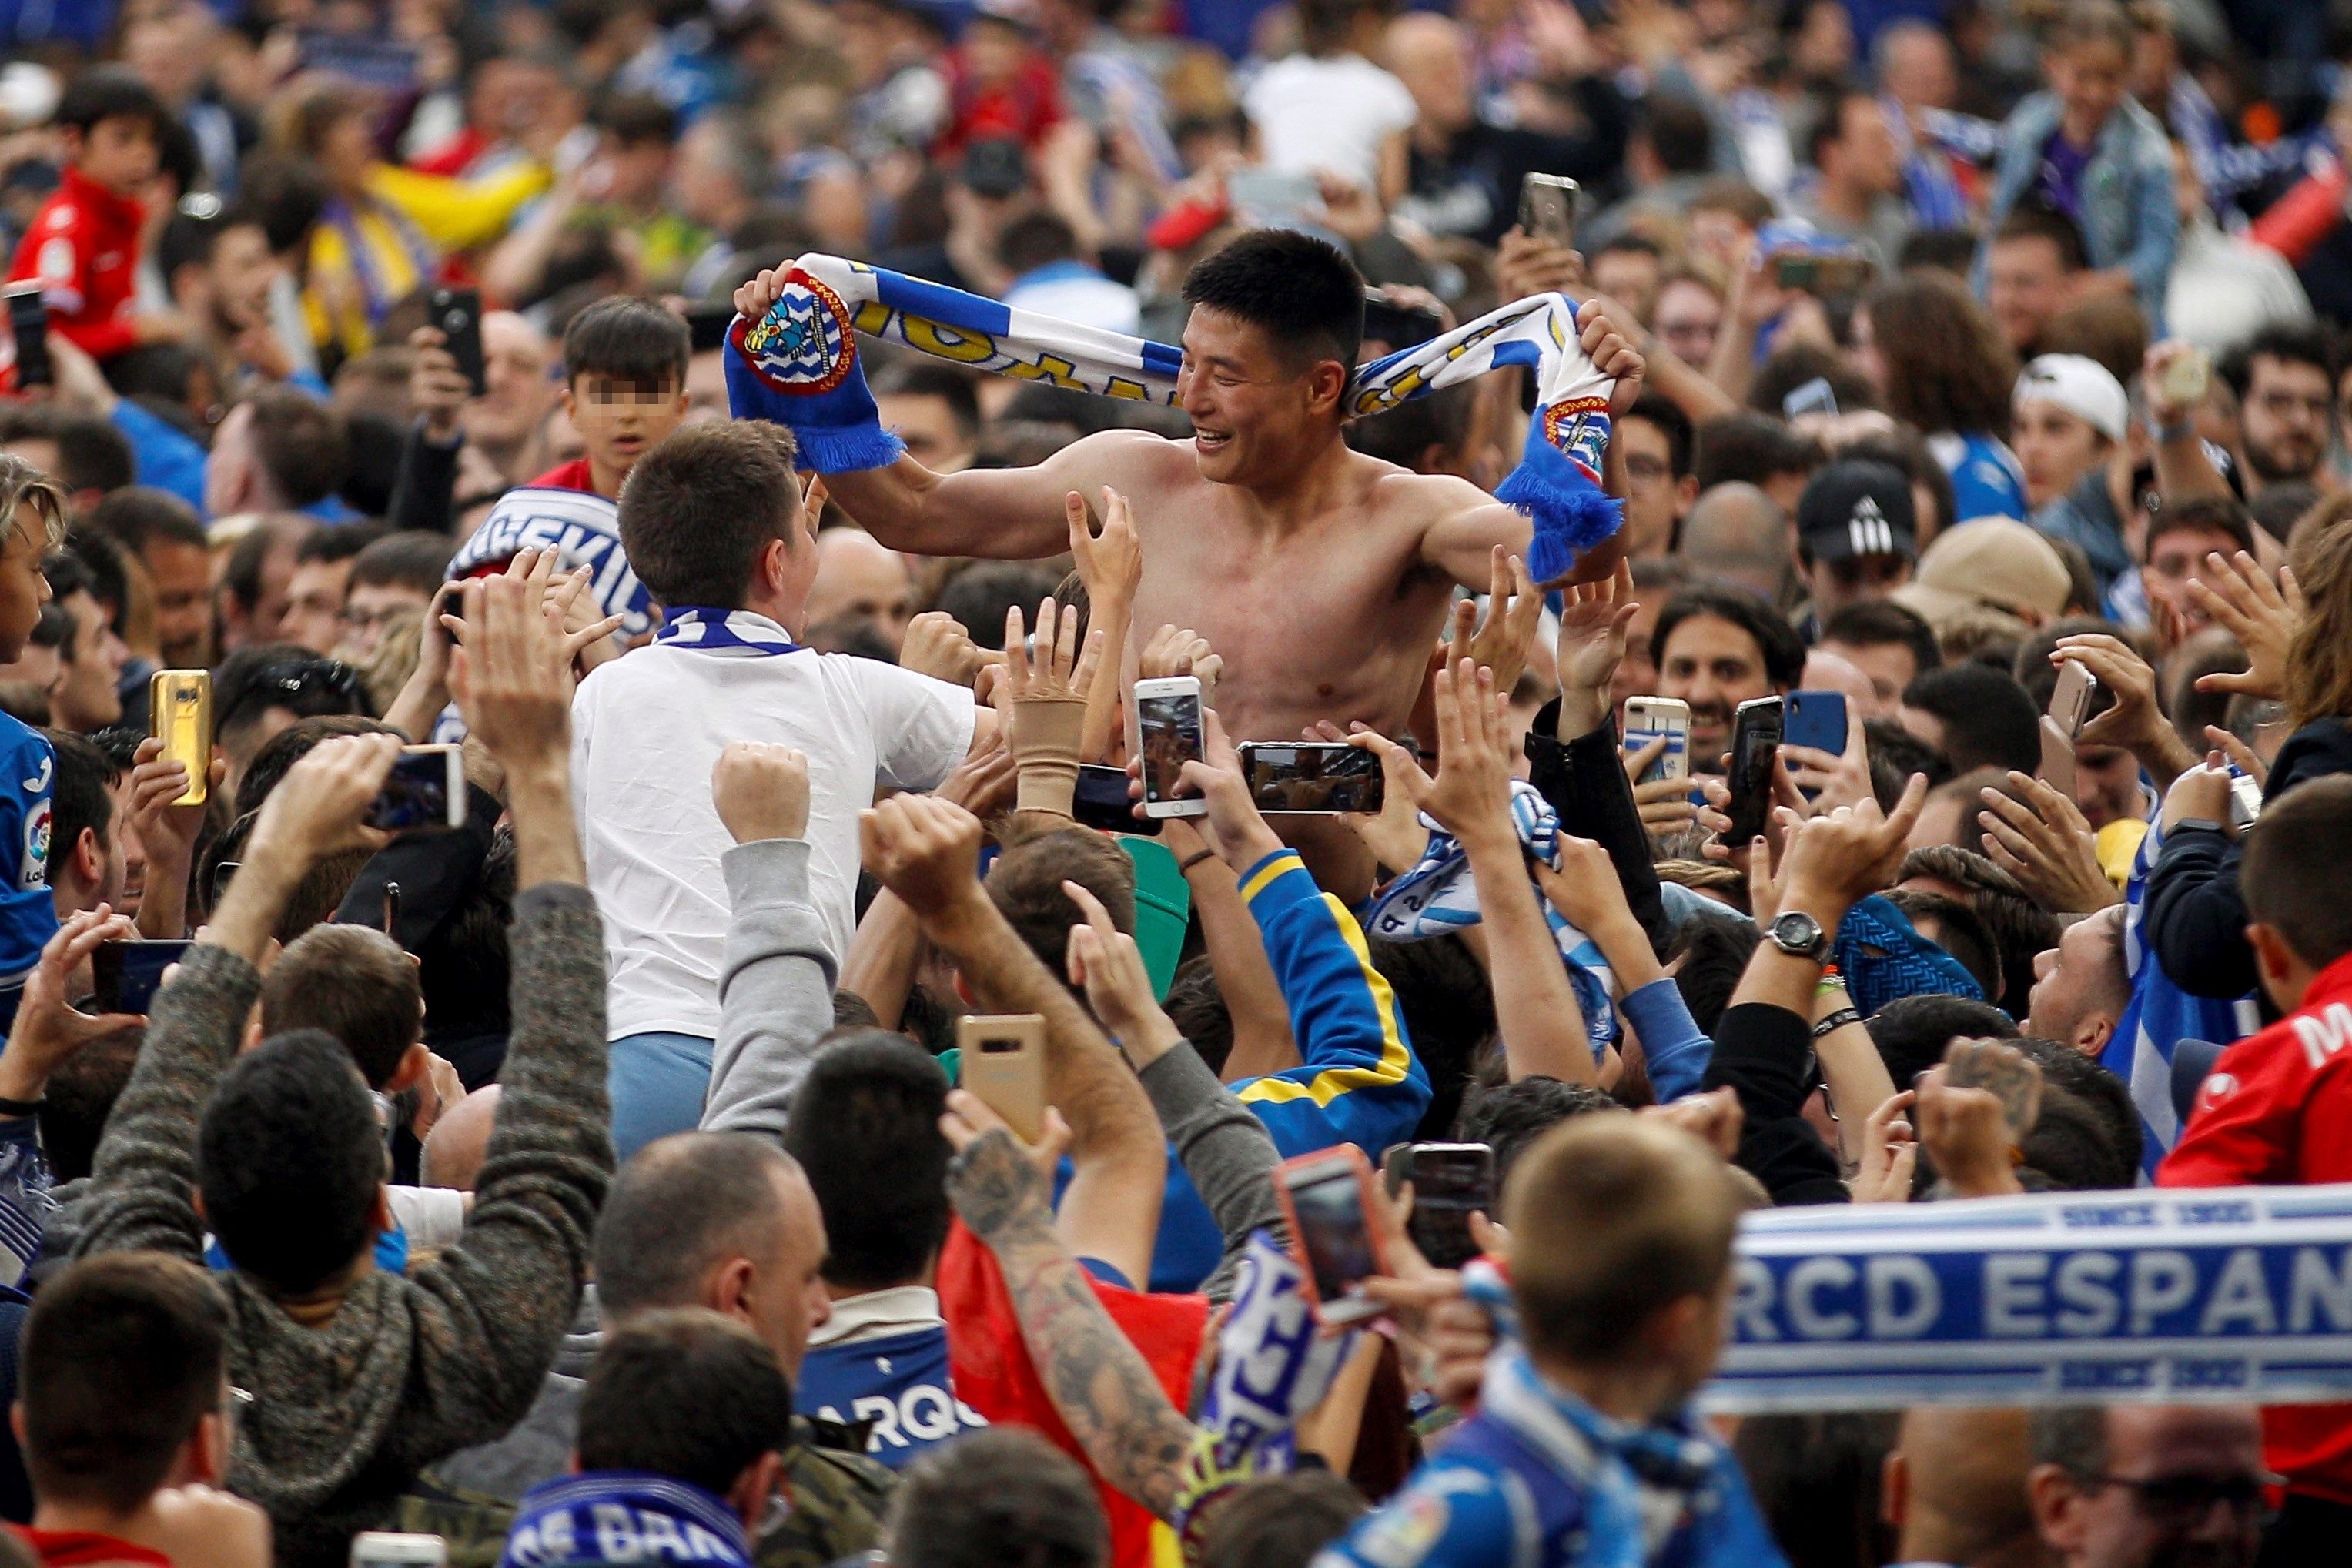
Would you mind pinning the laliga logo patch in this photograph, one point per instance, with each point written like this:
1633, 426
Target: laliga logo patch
802, 346
1578, 428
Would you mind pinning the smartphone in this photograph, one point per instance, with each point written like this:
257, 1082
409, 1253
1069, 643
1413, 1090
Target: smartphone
223, 874
1547, 207
1169, 723
2188, 378
1823, 277
2245, 798
1816, 719
1647, 718
28, 319
398, 1549
1816, 396
457, 313
2070, 704
1398, 326
1754, 743
426, 788
1102, 803
1450, 1183
1271, 195
1326, 1196
1003, 1061
126, 974
180, 715
1313, 777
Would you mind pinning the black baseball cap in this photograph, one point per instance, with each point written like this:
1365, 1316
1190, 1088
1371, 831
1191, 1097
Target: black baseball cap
1858, 507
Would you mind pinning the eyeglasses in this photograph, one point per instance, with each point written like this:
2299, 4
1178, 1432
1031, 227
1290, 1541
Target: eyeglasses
2179, 1501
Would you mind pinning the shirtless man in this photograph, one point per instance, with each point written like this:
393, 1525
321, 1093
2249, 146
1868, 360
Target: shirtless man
1321, 576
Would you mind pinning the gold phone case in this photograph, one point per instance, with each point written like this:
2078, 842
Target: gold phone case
180, 713
1003, 1062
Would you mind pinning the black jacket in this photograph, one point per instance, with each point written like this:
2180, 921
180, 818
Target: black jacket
1584, 780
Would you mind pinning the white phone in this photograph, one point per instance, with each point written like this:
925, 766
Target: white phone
1170, 732
1647, 719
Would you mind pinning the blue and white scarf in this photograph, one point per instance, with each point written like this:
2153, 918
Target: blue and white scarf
623, 1516
582, 528
798, 366
738, 634
1438, 895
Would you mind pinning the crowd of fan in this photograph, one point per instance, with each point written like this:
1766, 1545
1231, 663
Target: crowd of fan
589, 1183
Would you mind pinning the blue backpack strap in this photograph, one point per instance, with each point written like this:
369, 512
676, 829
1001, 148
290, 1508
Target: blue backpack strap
1558, 1502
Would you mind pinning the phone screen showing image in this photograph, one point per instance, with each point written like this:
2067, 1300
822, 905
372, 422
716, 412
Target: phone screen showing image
415, 794
1332, 1233
1315, 777
1170, 728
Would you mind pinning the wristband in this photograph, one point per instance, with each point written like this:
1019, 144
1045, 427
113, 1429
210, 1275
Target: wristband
1185, 867
1836, 1021
1047, 732
20, 1107
2166, 435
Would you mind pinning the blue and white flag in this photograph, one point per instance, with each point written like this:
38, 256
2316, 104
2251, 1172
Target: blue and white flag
798, 366
2236, 1294
623, 1516
581, 526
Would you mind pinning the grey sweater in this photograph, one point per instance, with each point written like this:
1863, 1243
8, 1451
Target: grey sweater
408, 1369
775, 988
1226, 1151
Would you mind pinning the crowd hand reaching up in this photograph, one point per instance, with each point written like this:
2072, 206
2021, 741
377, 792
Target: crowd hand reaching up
1588, 894
168, 833
2200, 794
1834, 861
936, 645
1471, 796
1394, 834
1180, 651
1889, 1154
1714, 1118
437, 1095
49, 1029
1234, 826
1513, 611
587, 630
1593, 622
761, 792
982, 782
2048, 847
1111, 563
318, 809
2137, 722
1060, 669
2247, 760
927, 850
1528, 264
2261, 615
1840, 780
999, 1185
1045, 700
1105, 962
511, 674
1974, 1111
438, 389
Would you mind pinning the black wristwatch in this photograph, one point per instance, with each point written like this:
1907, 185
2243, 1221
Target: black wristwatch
2199, 825
1800, 936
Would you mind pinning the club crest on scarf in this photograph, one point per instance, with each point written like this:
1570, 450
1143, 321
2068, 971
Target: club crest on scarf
1579, 428
804, 345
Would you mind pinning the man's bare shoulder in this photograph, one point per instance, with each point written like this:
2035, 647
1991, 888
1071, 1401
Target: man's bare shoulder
1137, 452
1421, 497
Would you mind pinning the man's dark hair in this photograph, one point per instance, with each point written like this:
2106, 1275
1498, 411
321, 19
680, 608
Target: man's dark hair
2294, 858
81, 1095
281, 751
1896, 754
110, 93
1959, 931
123, 1356
412, 557
91, 454
2295, 343
1628, 242
698, 509
1037, 239
1714, 953
685, 1394
1678, 132
1750, 448
1002, 1497
354, 983
1026, 885
65, 574
1442, 419
285, 194
301, 444
1911, 1032
85, 793
2032, 220
1946, 250
104, 573
678, 1207
864, 1125
636, 118
2105, 1096
2021, 927
2070, 1147
1828, 117
340, 543
1302, 291
290, 1156
1793, 365
1196, 1005
929, 378
1281, 1521
189, 240
2215, 514
1447, 1005
1989, 721
1509, 1117
138, 512
628, 338
1883, 623
241, 577
979, 595
1667, 415
1783, 651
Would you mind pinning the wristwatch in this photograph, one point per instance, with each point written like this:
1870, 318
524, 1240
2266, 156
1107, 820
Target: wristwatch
2199, 825
1800, 936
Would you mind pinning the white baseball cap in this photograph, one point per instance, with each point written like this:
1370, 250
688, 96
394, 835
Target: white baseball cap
2083, 387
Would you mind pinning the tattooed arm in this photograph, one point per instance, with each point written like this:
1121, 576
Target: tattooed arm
1101, 1387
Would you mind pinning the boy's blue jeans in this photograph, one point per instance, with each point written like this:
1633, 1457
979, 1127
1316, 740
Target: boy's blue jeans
657, 1082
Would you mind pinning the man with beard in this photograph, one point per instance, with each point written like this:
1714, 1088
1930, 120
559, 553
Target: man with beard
2284, 377
219, 270
2148, 1486
1716, 648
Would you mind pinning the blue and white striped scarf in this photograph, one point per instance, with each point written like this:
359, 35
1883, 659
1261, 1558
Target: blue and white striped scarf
798, 366
623, 1516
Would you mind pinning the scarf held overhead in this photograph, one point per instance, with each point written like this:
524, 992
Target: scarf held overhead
797, 365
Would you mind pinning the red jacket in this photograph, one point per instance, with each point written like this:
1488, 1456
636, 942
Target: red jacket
2277, 1110
84, 247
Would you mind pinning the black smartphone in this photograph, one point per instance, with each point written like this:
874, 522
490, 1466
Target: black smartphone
1754, 743
1313, 777
1398, 326
126, 974
426, 789
457, 313
1102, 802
1450, 1183
28, 319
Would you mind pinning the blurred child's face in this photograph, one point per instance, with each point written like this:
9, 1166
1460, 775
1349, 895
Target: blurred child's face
618, 420
117, 153
994, 50
2089, 79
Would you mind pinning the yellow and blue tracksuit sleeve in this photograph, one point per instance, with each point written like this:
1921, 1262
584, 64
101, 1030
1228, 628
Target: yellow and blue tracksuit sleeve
1358, 1082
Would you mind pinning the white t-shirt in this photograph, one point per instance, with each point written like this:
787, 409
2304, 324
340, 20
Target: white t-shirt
646, 730
1330, 115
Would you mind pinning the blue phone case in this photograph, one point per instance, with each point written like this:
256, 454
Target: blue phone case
1815, 719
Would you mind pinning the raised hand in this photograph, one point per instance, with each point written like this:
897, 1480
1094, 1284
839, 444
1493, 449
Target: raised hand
1471, 796
438, 389
936, 645
1109, 563
2262, 616
49, 1029
1179, 651
925, 850
997, 1183
761, 790
2047, 847
1106, 961
1611, 339
1840, 780
982, 782
1234, 826
1835, 860
2137, 722
1062, 670
1593, 622
512, 674
1889, 1154
318, 808
167, 831
1513, 611
1714, 1118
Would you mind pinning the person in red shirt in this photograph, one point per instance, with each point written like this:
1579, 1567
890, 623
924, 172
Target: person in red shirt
2277, 1107
83, 244
124, 1414
1001, 88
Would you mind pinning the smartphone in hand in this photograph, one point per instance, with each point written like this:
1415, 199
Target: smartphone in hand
1648, 719
1326, 1196
1316, 777
1173, 732
28, 322
1755, 746
179, 714
125, 976
1450, 1183
425, 789
1002, 1059
457, 314
2070, 705
1816, 720
1547, 207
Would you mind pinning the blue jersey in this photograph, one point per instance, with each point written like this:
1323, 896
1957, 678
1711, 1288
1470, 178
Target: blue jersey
899, 1381
1987, 481
27, 780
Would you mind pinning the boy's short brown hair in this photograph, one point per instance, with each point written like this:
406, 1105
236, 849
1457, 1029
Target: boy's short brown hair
1613, 1219
700, 505
2292, 872
356, 984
